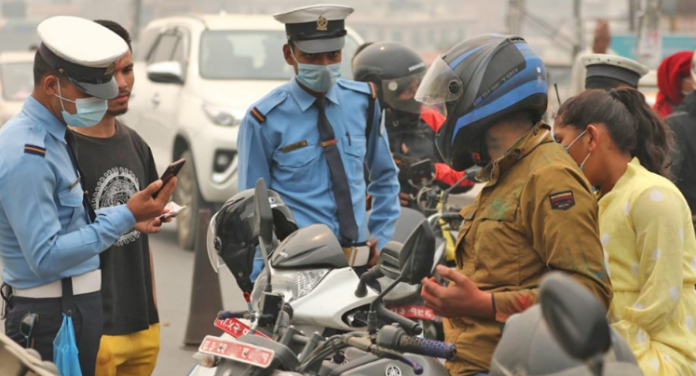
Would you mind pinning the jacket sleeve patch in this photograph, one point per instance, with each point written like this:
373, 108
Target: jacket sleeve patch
562, 200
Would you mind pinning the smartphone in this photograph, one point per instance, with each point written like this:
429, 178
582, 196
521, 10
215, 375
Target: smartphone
169, 173
422, 170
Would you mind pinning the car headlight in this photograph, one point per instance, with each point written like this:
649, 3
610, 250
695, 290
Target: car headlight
221, 116
292, 284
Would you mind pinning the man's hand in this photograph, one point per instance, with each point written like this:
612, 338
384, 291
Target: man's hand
152, 226
374, 253
144, 207
405, 199
461, 298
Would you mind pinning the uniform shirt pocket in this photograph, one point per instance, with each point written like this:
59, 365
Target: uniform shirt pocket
71, 203
297, 168
496, 254
354, 148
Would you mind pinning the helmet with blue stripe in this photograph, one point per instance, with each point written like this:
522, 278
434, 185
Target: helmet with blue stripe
480, 82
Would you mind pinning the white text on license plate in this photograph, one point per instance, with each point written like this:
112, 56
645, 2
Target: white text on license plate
236, 328
237, 351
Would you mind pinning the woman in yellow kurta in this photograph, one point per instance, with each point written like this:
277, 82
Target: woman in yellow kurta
644, 221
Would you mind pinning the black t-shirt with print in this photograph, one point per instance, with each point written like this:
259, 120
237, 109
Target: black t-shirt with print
115, 168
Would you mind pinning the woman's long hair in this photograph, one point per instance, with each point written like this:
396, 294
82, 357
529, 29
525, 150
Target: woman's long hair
632, 124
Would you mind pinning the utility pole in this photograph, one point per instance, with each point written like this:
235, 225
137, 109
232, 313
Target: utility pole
579, 29
649, 44
515, 16
135, 29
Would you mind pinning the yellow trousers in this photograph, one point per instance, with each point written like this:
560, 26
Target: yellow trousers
129, 355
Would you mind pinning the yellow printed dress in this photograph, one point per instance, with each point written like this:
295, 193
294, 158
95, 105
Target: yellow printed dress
648, 238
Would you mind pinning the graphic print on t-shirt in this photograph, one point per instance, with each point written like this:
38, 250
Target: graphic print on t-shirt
116, 187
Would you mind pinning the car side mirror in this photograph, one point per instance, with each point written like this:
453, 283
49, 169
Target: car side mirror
416, 257
576, 319
166, 72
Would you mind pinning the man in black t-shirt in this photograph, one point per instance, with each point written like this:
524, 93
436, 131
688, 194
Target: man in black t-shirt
117, 163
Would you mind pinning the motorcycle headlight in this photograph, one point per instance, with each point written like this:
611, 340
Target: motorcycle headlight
292, 284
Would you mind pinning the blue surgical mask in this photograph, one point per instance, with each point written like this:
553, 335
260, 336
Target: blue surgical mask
318, 78
90, 111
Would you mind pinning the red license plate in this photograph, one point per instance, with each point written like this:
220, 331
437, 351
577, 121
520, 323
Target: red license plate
236, 328
237, 351
414, 312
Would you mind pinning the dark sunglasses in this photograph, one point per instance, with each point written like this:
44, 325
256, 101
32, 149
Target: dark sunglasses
26, 328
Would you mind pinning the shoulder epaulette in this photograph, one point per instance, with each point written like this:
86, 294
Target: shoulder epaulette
360, 87
266, 105
36, 142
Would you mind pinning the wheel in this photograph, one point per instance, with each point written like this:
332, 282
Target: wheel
187, 193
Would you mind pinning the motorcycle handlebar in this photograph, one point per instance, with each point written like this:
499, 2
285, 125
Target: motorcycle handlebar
426, 347
396, 338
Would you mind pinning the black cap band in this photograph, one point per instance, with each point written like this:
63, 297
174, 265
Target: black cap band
77, 72
611, 71
315, 30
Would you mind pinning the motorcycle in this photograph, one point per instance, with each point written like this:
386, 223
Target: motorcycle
281, 299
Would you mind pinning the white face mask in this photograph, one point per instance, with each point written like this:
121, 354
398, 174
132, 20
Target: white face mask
567, 148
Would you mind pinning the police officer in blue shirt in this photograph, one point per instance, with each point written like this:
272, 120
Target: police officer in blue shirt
311, 138
50, 239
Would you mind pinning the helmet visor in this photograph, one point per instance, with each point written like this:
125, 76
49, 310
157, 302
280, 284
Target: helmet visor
440, 84
211, 244
400, 93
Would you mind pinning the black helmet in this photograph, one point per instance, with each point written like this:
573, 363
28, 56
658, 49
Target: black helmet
232, 238
480, 81
396, 71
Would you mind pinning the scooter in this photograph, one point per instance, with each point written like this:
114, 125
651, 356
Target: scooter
280, 303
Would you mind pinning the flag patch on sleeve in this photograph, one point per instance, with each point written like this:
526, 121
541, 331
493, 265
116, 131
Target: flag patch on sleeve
562, 200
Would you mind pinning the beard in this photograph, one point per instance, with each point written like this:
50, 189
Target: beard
118, 112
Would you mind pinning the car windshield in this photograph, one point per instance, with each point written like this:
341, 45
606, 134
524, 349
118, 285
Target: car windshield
253, 55
16, 80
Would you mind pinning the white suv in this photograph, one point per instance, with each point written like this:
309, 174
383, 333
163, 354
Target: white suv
16, 82
195, 78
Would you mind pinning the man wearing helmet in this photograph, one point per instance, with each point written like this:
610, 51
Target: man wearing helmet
396, 71
536, 212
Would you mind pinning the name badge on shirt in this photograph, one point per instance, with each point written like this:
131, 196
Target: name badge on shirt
295, 146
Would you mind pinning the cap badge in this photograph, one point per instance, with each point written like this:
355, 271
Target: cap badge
110, 69
322, 23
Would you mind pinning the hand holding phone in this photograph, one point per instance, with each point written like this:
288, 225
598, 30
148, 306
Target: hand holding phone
171, 171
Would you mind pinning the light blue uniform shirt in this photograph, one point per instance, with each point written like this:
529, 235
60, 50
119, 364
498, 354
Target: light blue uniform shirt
44, 230
284, 150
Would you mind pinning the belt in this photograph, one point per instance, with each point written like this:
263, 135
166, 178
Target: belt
357, 255
82, 284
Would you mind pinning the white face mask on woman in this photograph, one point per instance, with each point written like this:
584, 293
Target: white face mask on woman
567, 148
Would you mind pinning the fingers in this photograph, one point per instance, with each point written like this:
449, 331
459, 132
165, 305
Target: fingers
154, 187
433, 289
451, 274
167, 191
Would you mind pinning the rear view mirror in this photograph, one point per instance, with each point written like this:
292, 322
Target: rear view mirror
416, 257
575, 318
263, 214
166, 72
389, 260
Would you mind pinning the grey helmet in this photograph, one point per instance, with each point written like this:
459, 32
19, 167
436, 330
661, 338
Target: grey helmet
528, 348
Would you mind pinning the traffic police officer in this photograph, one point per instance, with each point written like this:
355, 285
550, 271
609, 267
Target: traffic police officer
612, 72
310, 138
49, 239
